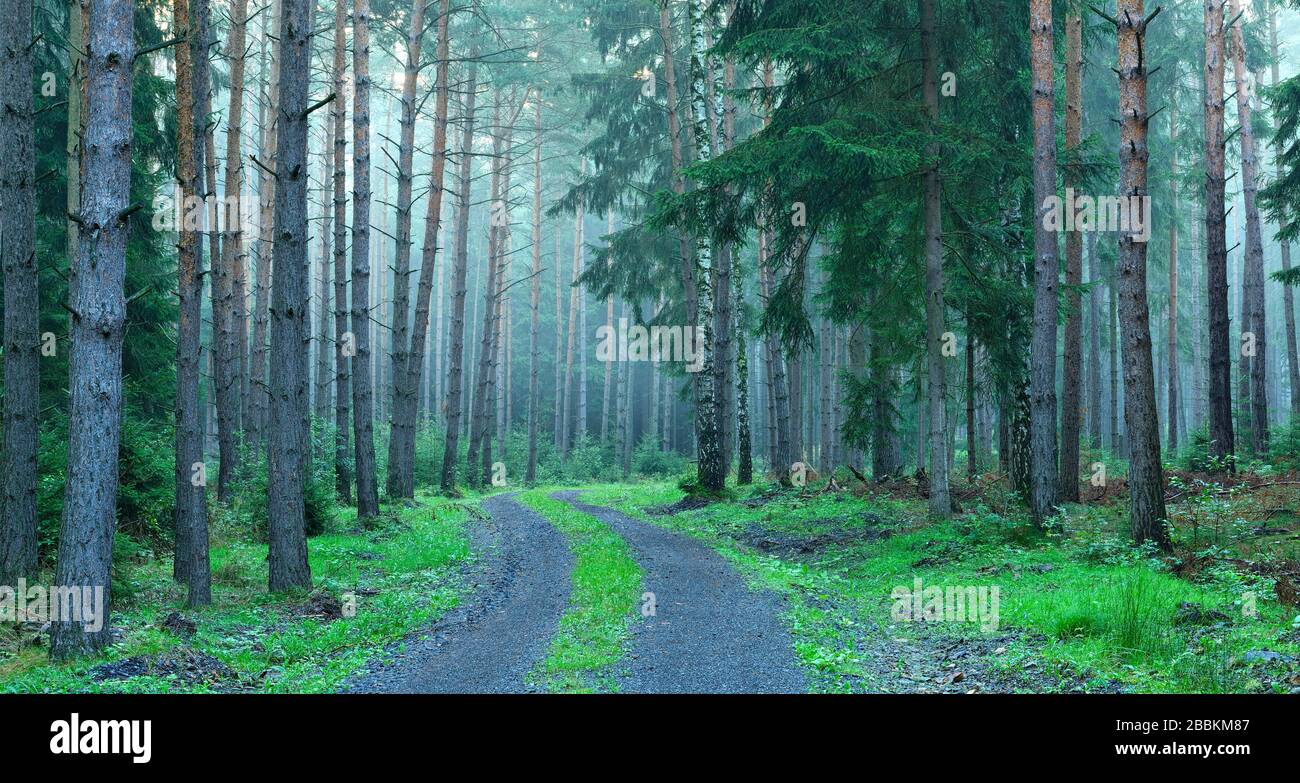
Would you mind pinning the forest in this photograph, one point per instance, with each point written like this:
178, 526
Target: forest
669, 346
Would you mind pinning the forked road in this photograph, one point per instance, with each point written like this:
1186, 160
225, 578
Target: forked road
708, 633
491, 642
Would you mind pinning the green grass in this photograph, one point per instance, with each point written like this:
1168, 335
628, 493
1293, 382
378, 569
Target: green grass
595, 628
1096, 621
404, 569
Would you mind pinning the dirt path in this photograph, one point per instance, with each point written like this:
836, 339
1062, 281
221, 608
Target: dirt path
710, 633
490, 642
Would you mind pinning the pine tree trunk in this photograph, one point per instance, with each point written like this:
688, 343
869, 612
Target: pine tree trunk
405, 400
824, 350
1222, 445
972, 463
1094, 343
407, 372
342, 342
940, 504
1146, 475
22, 358
325, 354
190, 564
363, 412
558, 430
456, 336
686, 261
535, 297
1044, 477
744, 439
569, 432
607, 391
1172, 349
1072, 387
1288, 293
98, 303
480, 441
228, 283
258, 386
287, 463
1254, 251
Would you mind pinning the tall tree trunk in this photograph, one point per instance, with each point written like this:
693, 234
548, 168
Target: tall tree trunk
405, 401
972, 461
1094, 343
363, 412
456, 336
191, 560
22, 358
1172, 394
1044, 475
569, 431
98, 303
535, 296
940, 504
608, 392
744, 442
1072, 387
324, 354
1116, 441
228, 283
557, 431
711, 471
287, 463
342, 341
485, 375
1254, 250
1288, 294
1146, 476
407, 380
259, 402
1222, 445
686, 261
825, 355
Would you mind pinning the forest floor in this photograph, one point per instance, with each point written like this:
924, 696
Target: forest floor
640, 588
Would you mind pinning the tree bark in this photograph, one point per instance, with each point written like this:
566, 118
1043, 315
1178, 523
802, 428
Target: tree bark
940, 504
342, 352
1146, 475
1222, 446
258, 402
1288, 293
1044, 476
1094, 343
568, 432
1072, 365
228, 284
190, 564
98, 302
404, 403
324, 354
456, 335
1172, 391
363, 411
535, 296
286, 441
22, 358
1254, 252
711, 470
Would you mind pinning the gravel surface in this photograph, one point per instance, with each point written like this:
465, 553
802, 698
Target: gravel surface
503, 628
710, 633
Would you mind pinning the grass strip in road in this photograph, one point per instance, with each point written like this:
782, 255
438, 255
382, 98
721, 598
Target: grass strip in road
594, 631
